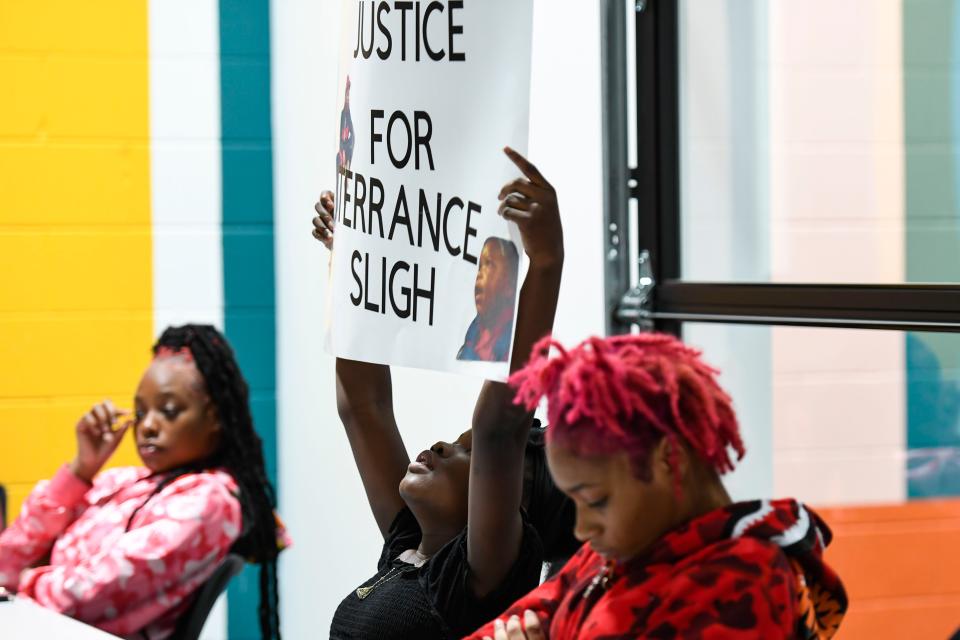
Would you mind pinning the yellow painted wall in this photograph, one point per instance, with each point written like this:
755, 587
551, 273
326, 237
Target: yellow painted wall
75, 244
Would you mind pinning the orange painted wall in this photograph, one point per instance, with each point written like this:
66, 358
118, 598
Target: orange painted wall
901, 566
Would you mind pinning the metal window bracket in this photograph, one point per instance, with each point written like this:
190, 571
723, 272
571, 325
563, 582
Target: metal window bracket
636, 304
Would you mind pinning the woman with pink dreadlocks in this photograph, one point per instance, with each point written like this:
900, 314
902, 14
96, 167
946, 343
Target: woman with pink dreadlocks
640, 433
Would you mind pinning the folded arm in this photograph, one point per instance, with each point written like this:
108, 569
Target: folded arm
47, 512
142, 573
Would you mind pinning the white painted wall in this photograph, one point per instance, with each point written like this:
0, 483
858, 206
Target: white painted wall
780, 184
185, 178
724, 199
321, 499
837, 214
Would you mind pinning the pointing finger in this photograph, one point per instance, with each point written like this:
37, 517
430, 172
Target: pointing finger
526, 167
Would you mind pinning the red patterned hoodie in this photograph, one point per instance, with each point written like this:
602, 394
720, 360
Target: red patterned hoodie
122, 581
749, 570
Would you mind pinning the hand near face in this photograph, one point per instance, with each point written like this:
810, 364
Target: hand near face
98, 436
513, 630
323, 221
531, 202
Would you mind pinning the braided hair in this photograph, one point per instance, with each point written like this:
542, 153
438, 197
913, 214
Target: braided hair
625, 393
549, 511
240, 453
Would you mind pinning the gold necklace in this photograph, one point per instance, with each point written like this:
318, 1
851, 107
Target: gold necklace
363, 592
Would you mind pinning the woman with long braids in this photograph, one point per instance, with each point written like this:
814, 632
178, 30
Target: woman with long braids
125, 550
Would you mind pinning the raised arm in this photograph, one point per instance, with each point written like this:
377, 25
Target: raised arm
500, 428
365, 404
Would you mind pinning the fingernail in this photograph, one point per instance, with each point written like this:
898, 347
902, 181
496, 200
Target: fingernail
498, 624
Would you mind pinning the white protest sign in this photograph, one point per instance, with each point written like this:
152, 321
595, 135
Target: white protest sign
424, 272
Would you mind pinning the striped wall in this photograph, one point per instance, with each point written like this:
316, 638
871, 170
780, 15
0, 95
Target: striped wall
135, 193
137, 190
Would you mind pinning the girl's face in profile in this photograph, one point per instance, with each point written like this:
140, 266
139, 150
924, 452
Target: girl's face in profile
489, 290
175, 420
619, 514
438, 479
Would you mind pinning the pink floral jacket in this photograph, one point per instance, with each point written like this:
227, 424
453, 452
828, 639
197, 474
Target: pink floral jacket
124, 582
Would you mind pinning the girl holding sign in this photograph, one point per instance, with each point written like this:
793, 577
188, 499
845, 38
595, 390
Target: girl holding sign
640, 433
468, 524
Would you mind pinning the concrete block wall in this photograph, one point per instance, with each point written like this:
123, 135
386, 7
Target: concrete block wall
76, 315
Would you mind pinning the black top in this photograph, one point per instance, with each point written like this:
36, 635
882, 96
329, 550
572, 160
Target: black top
434, 600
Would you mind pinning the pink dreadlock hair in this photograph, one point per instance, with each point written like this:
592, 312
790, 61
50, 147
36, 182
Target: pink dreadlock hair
625, 393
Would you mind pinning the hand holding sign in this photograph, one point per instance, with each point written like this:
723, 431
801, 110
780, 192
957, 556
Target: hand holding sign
323, 221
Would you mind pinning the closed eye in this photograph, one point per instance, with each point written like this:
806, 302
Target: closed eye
598, 504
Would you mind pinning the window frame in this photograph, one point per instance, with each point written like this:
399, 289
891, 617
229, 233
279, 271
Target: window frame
665, 300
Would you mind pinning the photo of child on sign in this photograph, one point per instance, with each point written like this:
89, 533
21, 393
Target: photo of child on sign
494, 292
425, 269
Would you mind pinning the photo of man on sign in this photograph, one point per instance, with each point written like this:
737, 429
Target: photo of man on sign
494, 292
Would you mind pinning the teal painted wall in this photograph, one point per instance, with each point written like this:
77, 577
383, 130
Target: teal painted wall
931, 60
248, 259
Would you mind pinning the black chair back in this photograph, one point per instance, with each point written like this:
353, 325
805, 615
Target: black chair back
192, 621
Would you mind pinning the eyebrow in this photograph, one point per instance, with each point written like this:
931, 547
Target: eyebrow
165, 394
580, 487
